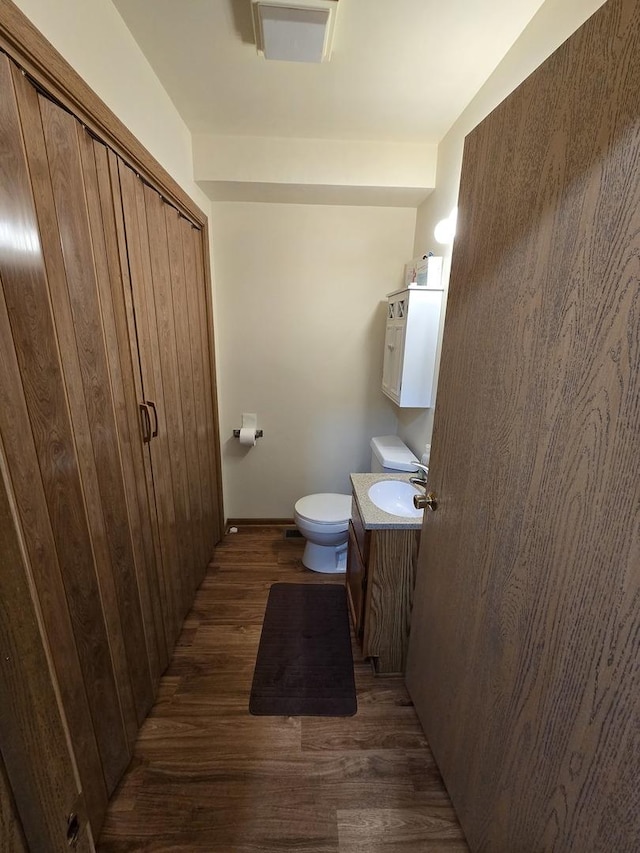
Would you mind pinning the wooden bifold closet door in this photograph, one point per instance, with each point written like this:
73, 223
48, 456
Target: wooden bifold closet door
168, 314
107, 423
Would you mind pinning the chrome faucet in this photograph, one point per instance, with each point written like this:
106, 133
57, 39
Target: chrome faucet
421, 478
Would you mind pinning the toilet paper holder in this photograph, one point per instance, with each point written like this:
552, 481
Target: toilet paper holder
236, 433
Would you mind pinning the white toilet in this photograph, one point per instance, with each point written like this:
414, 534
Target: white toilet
323, 519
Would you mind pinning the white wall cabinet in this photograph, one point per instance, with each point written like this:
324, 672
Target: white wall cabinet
411, 339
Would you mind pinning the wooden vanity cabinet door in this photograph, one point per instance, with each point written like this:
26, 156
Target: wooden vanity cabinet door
363, 536
389, 597
381, 566
357, 558
356, 575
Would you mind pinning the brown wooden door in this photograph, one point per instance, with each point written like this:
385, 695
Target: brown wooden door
11, 831
38, 780
167, 317
178, 298
213, 514
525, 646
200, 375
71, 162
102, 307
143, 328
106, 216
47, 430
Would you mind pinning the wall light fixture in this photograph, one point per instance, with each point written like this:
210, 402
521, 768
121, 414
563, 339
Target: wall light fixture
445, 230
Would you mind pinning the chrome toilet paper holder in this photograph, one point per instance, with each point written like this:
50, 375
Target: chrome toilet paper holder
236, 433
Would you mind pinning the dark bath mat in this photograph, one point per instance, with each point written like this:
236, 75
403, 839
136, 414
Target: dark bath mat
304, 665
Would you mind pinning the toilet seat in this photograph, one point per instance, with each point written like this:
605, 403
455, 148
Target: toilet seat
327, 508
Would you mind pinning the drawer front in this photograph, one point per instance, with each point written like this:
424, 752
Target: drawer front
363, 537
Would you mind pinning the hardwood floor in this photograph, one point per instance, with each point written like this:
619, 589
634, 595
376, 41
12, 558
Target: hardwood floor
208, 776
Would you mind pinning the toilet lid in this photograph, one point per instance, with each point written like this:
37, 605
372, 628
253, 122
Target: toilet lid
325, 508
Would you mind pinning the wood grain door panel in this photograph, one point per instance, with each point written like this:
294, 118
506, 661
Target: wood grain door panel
144, 321
113, 449
391, 571
523, 660
74, 185
12, 838
114, 534
214, 524
200, 374
30, 290
122, 293
180, 287
69, 263
122, 372
175, 423
31, 503
35, 749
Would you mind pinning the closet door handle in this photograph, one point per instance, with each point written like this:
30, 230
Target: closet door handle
146, 423
152, 406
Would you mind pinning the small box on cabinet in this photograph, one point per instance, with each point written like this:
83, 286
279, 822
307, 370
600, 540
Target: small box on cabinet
425, 272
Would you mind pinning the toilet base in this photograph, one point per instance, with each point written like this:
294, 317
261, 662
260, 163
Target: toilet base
327, 559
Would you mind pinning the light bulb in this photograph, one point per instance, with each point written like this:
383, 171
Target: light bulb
445, 230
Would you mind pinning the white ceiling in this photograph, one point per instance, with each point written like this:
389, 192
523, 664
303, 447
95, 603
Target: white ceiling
401, 70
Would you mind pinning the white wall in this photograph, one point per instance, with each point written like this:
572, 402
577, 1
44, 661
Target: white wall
552, 25
95, 41
300, 301
298, 288
320, 162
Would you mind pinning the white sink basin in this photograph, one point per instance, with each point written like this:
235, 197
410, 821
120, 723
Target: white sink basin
395, 497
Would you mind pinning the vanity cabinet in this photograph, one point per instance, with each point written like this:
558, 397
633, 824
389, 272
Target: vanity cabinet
411, 339
381, 567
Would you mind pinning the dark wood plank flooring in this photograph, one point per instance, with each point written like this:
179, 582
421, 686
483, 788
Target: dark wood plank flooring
208, 776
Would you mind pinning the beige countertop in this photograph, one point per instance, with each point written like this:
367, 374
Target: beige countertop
374, 518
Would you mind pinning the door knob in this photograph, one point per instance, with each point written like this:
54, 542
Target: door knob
422, 501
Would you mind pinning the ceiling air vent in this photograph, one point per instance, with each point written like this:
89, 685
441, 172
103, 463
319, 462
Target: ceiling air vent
300, 31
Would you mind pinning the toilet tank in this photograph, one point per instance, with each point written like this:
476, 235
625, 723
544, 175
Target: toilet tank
390, 454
